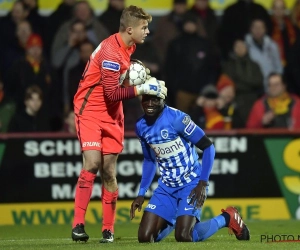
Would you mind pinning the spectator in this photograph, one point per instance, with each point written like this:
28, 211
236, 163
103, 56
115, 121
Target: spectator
227, 105
263, 50
74, 75
189, 65
208, 18
292, 69
30, 119
206, 113
96, 31
170, 26
33, 69
236, 22
295, 14
247, 78
7, 109
277, 109
37, 21
284, 33
15, 50
62, 14
8, 24
111, 16
67, 56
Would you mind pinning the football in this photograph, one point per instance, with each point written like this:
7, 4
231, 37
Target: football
137, 73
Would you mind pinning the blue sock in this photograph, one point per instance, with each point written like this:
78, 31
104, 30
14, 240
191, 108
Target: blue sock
203, 230
227, 218
164, 233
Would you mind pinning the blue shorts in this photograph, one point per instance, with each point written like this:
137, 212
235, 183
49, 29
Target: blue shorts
170, 203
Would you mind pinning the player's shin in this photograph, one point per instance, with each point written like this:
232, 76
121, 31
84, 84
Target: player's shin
83, 193
109, 200
203, 230
164, 233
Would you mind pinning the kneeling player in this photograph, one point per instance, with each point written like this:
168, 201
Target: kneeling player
168, 138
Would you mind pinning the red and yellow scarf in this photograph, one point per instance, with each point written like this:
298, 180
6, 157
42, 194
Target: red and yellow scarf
34, 64
277, 36
213, 119
280, 105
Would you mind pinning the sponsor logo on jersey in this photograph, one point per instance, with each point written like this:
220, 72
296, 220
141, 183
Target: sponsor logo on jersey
164, 133
190, 128
186, 120
110, 65
91, 144
168, 149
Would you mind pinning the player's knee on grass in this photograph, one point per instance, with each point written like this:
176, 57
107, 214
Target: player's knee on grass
146, 235
183, 235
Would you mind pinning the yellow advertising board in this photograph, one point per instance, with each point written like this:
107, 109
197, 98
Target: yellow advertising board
155, 6
62, 212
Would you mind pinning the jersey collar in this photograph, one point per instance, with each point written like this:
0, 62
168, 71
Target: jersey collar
121, 42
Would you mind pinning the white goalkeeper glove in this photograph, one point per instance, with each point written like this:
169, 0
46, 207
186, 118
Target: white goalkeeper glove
152, 86
148, 74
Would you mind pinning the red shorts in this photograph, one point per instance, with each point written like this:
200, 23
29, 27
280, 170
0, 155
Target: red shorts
95, 134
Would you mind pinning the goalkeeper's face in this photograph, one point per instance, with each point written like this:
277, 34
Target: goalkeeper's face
140, 31
152, 105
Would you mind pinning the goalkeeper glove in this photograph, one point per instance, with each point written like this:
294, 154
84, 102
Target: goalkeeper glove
152, 86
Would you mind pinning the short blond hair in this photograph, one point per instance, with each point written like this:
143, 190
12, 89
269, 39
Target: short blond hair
131, 15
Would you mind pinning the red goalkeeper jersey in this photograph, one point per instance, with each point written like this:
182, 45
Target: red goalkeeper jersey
100, 92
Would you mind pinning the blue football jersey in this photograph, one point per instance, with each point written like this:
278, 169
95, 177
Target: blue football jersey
170, 143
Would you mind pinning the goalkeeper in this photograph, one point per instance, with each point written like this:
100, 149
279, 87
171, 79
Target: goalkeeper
99, 117
168, 138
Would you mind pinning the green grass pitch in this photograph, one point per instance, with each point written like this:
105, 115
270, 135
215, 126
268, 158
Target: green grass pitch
58, 237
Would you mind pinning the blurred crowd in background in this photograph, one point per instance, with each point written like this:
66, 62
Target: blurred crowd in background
238, 70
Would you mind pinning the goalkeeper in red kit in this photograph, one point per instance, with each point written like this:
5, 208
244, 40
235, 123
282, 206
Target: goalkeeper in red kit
100, 120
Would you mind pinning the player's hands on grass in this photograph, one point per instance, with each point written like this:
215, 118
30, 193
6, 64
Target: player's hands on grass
198, 194
136, 204
154, 87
